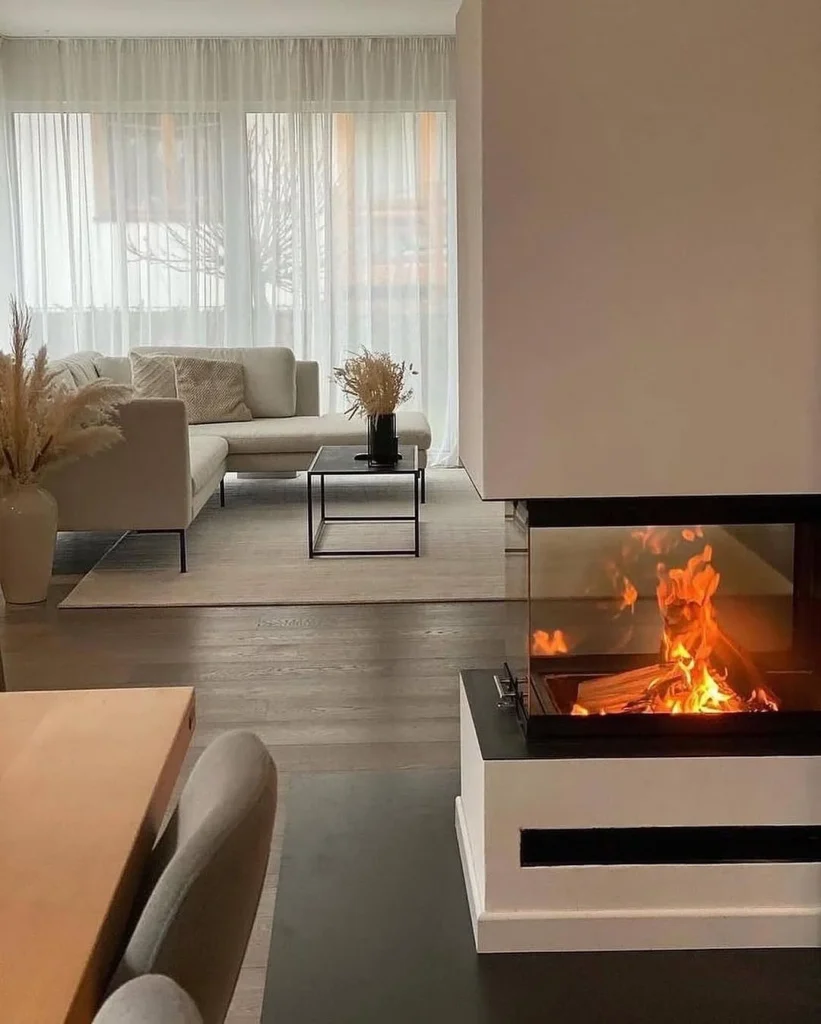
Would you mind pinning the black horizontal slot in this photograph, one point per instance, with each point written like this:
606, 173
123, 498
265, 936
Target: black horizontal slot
731, 844
674, 510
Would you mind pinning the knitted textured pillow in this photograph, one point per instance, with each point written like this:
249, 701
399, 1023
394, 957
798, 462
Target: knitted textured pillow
213, 389
152, 376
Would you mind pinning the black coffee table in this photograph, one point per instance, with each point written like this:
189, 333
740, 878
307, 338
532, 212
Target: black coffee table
346, 460
371, 926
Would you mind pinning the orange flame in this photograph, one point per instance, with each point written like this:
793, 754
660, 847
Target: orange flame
547, 644
689, 681
685, 599
654, 539
691, 634
629, 596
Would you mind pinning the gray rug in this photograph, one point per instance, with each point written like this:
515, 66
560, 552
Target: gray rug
254, 551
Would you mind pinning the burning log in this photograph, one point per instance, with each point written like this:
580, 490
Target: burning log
667, 689
611, 695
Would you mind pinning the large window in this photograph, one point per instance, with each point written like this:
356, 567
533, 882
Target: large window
157, 167
176, 217
108, 209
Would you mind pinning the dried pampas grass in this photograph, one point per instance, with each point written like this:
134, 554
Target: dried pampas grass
374, 383
42, 423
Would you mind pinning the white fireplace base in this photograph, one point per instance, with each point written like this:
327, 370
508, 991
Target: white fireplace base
633, 906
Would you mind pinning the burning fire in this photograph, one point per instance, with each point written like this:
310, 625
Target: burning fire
690, 678
698, 690
647, 540
547, 644
652, 539
629, 596
659, 541
691, 684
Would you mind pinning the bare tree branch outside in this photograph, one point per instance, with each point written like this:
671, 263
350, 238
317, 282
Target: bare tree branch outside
200, 247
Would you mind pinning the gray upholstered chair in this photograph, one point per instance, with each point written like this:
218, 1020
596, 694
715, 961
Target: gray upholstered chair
151, 999
206, 872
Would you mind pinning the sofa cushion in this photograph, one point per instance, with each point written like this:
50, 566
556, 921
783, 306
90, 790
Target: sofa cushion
336, 428
264, 436
308, 433
153, 376
207, 453
213, 389
81, 367
115, 368
270, 375
62, 377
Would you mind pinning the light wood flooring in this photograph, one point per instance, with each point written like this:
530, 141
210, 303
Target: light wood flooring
329, 688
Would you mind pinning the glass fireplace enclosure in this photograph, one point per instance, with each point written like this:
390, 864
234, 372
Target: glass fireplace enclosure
685, 629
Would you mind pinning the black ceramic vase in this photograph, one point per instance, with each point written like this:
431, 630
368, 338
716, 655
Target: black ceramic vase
383, 444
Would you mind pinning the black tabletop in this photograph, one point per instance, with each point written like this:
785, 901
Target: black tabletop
340, 460
371, 926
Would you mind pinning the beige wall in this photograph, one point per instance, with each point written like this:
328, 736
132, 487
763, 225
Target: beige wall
469, 162
650, 247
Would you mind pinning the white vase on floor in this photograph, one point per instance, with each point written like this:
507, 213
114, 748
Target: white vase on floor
28, 529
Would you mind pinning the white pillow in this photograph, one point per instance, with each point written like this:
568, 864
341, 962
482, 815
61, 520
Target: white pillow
153, 376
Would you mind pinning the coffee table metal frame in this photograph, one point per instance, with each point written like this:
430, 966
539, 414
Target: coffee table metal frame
343, 462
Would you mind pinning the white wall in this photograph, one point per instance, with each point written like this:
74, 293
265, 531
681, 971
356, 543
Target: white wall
651, 186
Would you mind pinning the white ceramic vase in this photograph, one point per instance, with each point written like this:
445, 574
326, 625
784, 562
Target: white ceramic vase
28, 529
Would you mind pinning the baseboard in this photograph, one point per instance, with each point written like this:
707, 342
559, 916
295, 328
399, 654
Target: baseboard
708, 929
475, 900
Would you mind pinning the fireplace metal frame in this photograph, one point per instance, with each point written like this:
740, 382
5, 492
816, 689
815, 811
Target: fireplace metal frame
782, 732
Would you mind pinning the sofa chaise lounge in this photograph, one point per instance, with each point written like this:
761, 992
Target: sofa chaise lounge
159, 477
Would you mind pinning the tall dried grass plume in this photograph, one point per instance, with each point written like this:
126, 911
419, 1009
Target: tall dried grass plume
374, 383
42, 423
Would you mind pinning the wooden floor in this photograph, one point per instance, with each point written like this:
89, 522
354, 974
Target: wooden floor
329, 688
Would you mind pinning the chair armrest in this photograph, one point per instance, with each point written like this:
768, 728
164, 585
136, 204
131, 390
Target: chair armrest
141, 483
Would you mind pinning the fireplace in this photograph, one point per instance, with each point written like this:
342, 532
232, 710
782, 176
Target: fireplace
695, 632
645, 773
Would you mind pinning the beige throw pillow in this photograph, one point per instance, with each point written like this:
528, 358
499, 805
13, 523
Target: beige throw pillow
213, 390
152, 376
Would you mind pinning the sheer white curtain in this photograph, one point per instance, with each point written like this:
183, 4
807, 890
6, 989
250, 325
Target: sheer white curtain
237, 192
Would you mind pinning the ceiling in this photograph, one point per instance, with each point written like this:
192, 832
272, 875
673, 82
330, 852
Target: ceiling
226, 17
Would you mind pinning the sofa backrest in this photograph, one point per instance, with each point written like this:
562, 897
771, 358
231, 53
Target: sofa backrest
84, 366
270, 374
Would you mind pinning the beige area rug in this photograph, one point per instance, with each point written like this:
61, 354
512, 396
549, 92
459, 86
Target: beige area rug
254, 551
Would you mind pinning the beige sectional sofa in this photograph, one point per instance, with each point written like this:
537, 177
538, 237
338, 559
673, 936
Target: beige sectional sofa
163, 472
